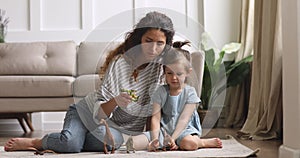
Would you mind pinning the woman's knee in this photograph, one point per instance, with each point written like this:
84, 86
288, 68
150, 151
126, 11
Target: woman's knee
117, 136
95, 139
69, 143
188, 144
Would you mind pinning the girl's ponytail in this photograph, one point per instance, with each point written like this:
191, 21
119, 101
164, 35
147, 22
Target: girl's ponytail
179, 44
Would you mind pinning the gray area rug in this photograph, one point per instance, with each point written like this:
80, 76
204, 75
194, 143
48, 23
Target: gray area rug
231, 148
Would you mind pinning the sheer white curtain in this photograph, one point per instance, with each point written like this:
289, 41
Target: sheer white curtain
264, 120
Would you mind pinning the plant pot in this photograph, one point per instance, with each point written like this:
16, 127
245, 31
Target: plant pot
208, 118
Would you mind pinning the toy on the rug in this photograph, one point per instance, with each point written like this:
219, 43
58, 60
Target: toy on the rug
41, 152
37, 152
152, 147
167, 141
129, 145
108, 138
132, 93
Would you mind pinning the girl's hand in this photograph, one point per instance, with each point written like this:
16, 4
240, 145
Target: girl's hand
153, 145
123, 99
173, 145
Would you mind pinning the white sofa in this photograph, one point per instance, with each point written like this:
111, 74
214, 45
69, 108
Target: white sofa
49, 76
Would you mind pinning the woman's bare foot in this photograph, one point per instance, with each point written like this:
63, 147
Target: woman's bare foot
18, 144
211, 143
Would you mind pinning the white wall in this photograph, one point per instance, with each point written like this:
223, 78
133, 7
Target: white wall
291, 79
222, 20
52, 20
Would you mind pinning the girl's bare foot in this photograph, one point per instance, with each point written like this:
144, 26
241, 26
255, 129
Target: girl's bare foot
211, 143
18, 144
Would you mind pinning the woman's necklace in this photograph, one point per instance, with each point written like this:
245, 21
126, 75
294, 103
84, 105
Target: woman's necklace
136, 71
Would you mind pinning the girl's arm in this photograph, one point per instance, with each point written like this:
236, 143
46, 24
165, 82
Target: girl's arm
155, 121
155, 127
184, 119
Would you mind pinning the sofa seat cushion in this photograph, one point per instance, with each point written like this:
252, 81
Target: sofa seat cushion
17, 105
36, 86
85, 84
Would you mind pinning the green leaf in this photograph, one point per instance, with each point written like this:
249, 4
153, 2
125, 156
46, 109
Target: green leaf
244, 60
210, 58
219, 61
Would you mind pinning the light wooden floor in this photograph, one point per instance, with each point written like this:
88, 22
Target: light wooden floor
268, 149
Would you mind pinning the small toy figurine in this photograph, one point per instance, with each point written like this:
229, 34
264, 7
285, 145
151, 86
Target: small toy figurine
152, 147
37, 152
108, 138
129, 145
167, 141
131, 92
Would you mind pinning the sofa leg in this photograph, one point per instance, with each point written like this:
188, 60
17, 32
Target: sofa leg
21, 122
20, 117
27, 118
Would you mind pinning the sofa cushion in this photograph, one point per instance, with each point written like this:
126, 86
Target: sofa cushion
85, 84
36, 58
198, 59
92, 55
36, 86
12, 105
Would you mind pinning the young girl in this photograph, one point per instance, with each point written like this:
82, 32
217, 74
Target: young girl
174, 107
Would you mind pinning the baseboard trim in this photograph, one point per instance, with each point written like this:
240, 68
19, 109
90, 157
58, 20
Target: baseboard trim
10, 127
50, 126
47, 126
286, 152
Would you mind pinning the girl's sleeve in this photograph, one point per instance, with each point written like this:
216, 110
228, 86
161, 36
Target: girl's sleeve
192, 96
159, 96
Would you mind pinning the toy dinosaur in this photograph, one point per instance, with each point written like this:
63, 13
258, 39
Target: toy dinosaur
152, 147
167, 141
108, 138
129, 145
41, 152
132, 93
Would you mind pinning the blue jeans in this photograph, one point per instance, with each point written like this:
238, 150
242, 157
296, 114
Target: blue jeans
80, 134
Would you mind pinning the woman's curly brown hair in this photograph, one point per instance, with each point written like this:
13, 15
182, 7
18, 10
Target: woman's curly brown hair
152, 20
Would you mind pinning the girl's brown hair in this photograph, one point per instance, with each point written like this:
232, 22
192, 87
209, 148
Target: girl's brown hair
178, 55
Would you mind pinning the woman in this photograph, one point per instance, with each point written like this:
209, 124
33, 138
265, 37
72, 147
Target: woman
132, 65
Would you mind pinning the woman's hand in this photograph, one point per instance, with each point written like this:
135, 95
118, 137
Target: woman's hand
153, 145
123, 99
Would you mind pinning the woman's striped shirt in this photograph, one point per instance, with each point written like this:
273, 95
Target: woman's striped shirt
119, 76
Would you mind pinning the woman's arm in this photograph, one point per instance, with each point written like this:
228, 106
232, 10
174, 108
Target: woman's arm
183, 119
122, 100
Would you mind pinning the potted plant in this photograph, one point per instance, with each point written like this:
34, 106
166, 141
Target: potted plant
3, 25
219, 74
